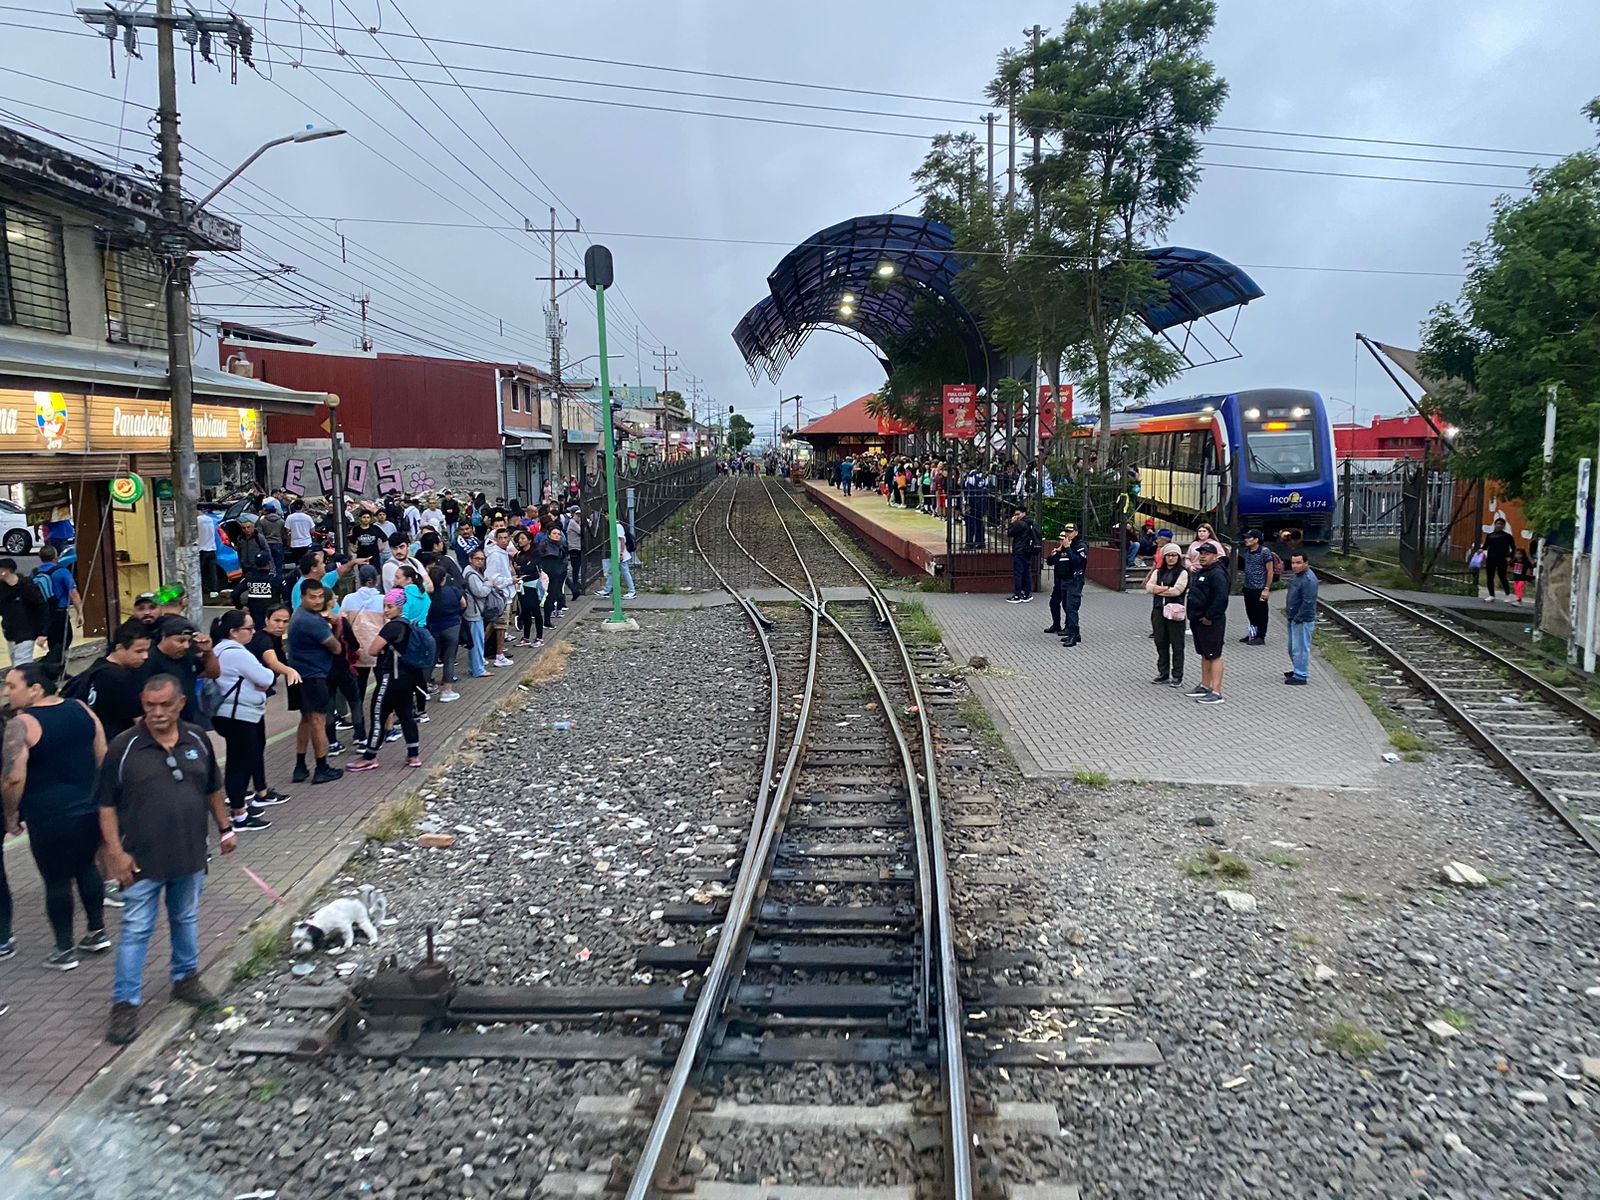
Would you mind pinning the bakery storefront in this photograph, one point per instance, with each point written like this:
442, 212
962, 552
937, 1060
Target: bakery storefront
106, 462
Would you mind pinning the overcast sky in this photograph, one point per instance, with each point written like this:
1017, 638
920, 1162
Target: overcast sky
656, 186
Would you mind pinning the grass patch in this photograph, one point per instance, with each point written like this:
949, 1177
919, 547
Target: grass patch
550, 664
1215, 862
1304, 940
976, 717
1354, 1041
265, 1093
1092, 779
1413, 756
1354, 897
264, 951
1357, 673
1279, 859
396, 819
916, 625
1454, 1018
1498, 880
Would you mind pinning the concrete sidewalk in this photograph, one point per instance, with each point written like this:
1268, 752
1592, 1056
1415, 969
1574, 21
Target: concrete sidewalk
52, 1041
1093, 708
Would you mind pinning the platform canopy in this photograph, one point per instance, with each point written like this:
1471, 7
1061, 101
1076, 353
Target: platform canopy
877, 279
887, 280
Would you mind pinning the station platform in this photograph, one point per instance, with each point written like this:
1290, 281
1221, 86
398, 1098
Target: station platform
1093, 708
910, 542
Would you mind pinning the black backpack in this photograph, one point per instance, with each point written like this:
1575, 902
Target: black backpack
81, 685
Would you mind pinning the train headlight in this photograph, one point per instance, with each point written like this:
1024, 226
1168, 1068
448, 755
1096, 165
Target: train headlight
1252, 414
1298, 413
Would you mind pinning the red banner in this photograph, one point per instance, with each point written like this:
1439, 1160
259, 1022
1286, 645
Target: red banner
1051, 411
894, 426
960, 410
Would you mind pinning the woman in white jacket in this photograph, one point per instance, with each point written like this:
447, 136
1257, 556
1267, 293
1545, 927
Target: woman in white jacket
242, 719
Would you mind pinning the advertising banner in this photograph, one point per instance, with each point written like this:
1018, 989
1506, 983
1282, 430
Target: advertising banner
960, 410
1053, 409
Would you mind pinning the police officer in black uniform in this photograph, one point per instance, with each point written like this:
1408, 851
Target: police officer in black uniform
260, 589
1071, 560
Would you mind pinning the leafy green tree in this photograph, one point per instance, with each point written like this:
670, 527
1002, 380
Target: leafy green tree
1527, 320
1119, 97
740, 433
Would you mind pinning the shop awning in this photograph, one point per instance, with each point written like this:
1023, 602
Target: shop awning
527, 439
140, 372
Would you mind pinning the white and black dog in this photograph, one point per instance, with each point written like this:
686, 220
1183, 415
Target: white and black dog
340, 920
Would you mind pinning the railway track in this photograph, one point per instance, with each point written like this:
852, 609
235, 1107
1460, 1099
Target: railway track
1542, 737
835, 944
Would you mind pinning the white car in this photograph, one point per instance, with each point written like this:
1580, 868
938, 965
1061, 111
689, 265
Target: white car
16, 535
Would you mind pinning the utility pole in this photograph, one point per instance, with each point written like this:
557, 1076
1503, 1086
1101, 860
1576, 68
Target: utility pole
1011, 148
1036, 33
666, 356
172, 245
989, 118
552, 325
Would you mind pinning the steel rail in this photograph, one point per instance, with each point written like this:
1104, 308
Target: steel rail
666, 1129
1476, 732
961, 1171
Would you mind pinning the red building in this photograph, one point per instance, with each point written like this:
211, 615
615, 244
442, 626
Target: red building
851, 430
407, 423
1389, 438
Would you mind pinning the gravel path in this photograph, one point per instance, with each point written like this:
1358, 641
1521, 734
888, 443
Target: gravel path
568, 842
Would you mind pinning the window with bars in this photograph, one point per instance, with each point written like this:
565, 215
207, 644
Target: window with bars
136, 312
33, 273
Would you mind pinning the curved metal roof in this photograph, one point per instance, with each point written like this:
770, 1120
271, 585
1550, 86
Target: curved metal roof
1198, 284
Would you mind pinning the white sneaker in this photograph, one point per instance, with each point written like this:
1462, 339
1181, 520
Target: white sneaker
630, 595
502, 661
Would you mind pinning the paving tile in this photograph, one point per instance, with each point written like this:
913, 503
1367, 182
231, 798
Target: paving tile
1092, 707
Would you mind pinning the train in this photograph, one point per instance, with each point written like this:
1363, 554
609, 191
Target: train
1259, 459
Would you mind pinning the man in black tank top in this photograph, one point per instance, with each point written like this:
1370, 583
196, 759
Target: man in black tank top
49, 784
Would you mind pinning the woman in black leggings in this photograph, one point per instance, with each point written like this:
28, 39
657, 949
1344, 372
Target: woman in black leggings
242, 718
45, 744
530, 605
553, 558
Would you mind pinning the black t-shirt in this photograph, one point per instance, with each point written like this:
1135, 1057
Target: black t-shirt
395, 635
163, 819
451, 511
365, 543
527, 564
260, 644
114, 696
1499, 545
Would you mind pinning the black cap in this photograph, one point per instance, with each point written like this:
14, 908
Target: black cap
263, 558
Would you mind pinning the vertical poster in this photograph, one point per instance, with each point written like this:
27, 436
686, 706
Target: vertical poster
1053, 409
960, 410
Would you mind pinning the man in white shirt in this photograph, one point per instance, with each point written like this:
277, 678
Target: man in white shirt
206, 529
413, 520
433, 516
298, 528
627, 557
498, 574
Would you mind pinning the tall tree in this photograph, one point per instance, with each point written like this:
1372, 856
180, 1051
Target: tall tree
1118, 97
740, 432
1528, 319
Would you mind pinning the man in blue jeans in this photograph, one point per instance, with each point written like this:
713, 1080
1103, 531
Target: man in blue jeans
158, 785
1301, 608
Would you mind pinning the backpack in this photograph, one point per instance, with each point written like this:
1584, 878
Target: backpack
1035, 540
420, 649
81, 685
627, 540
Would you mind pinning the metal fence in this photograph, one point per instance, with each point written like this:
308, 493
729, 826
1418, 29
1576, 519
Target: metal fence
979, 548
647, 499
1429, 515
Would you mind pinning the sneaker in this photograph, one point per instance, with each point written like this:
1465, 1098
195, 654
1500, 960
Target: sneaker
1247, 639
538, 641
190, 990
301, 773
327, 775
1027, 599
447, 697
94, 942
1196, 692
335, 748
251, 821
393, 735
1257, 641
342, 724
1210, 698
1296, 681
8, 947
269, 798
363, 764
414, 763
1288, 674
63, 960
1162, 679
502, 661
562, 611
625, 596
113, 897
1014, 600
423, 718
1176, 683
124, 1024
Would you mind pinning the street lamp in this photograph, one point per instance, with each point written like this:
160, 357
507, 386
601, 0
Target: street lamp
174, 245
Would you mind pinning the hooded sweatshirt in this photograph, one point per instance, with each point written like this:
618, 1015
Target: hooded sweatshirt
363, 608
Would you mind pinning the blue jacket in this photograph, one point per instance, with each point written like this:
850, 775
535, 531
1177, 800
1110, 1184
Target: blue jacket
1302, 600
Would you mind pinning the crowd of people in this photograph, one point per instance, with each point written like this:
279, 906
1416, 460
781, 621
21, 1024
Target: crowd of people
1190, 589
357, 643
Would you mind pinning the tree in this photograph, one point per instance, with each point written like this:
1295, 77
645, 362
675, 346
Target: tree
1528, 318
740, 433
1118, 97
673, 400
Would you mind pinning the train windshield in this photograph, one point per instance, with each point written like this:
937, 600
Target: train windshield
1280, 456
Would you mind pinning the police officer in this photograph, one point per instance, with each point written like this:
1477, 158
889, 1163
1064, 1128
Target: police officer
1071, 560
260, 590
973, 496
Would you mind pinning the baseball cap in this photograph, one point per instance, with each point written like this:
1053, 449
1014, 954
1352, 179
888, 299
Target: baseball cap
1149, 523
145, 598
1207, 548
262, 558
1164, 533
1069, 528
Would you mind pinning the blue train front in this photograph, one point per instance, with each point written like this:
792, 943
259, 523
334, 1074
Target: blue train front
1256, 459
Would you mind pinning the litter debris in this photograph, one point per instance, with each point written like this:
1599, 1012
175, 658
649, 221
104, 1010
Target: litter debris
1462, 875
436, 841
302, 969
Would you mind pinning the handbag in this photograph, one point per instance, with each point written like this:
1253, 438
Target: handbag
1477, 561
1174, 611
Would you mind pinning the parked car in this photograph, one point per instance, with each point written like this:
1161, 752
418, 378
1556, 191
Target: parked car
16, 535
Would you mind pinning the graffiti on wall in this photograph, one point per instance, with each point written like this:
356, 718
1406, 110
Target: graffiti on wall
302, 471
